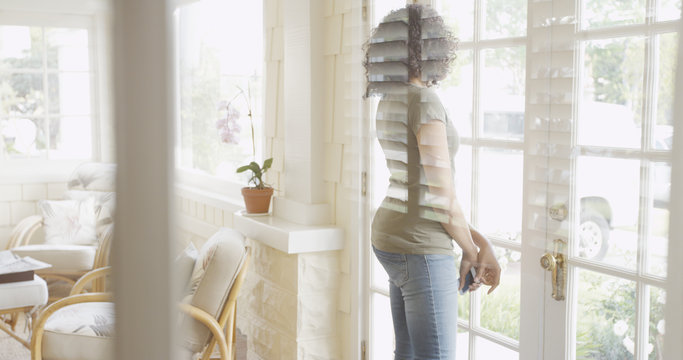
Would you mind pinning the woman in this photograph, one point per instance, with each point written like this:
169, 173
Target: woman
413, 229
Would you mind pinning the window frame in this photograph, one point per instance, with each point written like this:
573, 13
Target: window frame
94, 17
197, 182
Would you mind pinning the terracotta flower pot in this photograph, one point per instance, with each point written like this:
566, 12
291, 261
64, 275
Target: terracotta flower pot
257, 201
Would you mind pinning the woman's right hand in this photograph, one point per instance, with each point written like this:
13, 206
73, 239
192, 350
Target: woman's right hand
488, 269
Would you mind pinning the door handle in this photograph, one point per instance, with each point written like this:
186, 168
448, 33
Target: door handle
556, 264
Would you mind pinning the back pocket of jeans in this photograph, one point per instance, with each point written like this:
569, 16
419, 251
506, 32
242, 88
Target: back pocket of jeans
395, 265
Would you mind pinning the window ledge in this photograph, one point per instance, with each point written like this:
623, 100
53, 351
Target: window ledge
287, 236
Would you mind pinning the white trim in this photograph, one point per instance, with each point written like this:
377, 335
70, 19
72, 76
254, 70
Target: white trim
216, 200
289, 237
37, 171
203, 183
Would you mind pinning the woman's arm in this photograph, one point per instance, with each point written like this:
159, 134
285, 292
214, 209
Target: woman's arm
435, 158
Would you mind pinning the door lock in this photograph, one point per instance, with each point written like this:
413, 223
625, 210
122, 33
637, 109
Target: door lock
557, 265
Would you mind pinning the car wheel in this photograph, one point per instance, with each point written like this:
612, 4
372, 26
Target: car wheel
593, 237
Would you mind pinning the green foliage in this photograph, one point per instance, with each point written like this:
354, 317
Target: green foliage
257, 172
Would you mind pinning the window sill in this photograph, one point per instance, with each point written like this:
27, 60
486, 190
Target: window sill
287, 236
37, 171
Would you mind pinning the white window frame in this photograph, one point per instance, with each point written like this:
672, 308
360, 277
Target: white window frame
194, 182
94, 16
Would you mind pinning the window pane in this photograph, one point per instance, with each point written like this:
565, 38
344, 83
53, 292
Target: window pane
459, 15
655, 343
220, 62
69, 93
669, 10
381, 328
23, 137
67, 49
666, 69
380, 279
463, 179
456, 93
602, 13
21, 94
504, 18
70, 138
500, 310
21, 47
612, 93
658, 237
382, 8
462, 348
608, 224
605, 313
500, 193
486, 350
502, 93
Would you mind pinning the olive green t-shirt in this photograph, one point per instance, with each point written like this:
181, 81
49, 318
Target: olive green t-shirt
406, 222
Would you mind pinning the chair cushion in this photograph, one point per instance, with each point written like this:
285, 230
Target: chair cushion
63, 258
80, 332
69, 221
23, 293
93, 177
215, 270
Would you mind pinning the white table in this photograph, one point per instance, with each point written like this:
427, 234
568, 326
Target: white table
18, 297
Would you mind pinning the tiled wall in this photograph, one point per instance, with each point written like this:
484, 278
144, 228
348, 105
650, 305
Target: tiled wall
18, 201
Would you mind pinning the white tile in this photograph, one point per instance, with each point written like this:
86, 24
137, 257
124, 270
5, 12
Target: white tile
21, 209
280, 127
4, 214
34, 192
272, 83
4, 235
278, 43
329, 8
201, 208
55, 191
270, 13
10, 192
329, 96
333, 34
338, 6
209, 214
333, 162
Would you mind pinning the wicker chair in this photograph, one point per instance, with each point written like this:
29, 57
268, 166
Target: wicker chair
69, 262
207, 311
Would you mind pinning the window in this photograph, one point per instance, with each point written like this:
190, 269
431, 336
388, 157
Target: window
46, 90
220, 56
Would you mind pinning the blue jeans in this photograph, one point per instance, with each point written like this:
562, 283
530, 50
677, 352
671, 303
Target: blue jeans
424, 304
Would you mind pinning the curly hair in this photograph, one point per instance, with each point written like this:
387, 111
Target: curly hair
411, 42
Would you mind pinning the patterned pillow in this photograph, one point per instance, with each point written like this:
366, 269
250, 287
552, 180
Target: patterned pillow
69, 222
184, 265
203, 260
105, 203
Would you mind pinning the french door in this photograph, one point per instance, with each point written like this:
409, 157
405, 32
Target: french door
565, 114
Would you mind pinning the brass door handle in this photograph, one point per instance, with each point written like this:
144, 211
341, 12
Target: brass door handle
556, 264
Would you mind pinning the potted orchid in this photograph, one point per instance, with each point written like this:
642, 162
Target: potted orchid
256, 197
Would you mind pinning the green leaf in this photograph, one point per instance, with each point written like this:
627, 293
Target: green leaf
243, 168
267, 163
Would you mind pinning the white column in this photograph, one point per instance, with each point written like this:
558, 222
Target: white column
142, 246
303, 79
673, 344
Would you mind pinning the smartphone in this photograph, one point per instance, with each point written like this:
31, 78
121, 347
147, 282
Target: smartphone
469, 280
